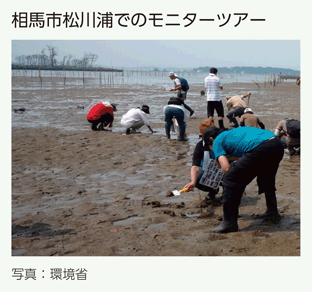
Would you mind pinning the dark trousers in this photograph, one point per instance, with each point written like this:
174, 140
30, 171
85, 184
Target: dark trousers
215, 105
104, 120
178, 114
235, 112
261, 162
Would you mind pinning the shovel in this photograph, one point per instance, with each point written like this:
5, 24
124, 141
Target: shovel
178, 193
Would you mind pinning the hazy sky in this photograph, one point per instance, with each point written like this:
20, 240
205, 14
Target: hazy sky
166, 54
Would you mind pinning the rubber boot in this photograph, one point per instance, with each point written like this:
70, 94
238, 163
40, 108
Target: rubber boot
94, 127
168, 132
271, 213
235, 123
212, 194
229, 222
221, 125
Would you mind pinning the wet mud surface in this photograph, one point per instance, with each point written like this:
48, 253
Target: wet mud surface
76, 192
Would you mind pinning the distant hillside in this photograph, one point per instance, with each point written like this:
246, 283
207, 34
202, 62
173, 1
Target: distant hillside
251, 70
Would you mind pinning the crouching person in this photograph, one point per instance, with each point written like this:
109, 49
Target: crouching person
288, 130
258, 153
201, 157
101, 115
135, 118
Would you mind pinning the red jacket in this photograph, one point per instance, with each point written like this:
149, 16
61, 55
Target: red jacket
98, 110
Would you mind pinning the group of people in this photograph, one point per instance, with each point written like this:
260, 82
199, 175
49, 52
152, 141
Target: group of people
245, 152
102, 115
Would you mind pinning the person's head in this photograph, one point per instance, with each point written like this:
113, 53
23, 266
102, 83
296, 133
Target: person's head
213, 70
114, 105
145, 108
172, 75
210, 135
248, 110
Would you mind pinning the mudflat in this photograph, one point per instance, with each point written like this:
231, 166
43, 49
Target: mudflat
77, 192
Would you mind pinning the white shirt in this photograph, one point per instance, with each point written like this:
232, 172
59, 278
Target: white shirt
180, 107
212, 84
132, 116
177, 82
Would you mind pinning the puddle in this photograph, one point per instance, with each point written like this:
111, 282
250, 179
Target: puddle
192, 215
176, 200
156, 226
185, 237
102, 201
193, 139
128, 220
17, 193
134, 197
134, 181
36, 229
143, 171
107, 177
289, 198
18, 252
95, 190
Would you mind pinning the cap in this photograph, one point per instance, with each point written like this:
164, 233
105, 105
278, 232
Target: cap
145, 108
114, 106
171, 74
248, 110
211, 132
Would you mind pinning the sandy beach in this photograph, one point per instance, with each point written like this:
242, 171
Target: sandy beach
76, 192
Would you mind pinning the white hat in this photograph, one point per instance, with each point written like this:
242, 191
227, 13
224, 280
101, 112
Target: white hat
248, 110
171, 74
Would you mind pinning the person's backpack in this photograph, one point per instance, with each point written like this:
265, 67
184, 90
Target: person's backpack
293, 128
184, 84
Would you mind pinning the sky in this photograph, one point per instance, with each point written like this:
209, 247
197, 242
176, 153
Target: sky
176, 54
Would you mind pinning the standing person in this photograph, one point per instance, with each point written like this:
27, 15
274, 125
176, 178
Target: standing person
236, 107
249, 119
135, 118
213, 86
101, 115
181, 90
175, 109
258, 153
289, 132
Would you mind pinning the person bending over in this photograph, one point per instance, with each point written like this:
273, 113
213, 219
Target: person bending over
135, 118
101, 115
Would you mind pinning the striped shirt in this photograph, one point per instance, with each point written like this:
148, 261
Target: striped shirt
212, 84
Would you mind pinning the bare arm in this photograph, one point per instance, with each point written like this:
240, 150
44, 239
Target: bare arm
194, 174
229, 104
224, 163
149, 127
248, 97
232, 158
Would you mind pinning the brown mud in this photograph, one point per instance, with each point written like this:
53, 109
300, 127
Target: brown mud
76, 192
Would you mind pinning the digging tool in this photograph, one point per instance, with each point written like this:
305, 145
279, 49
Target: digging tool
178, 193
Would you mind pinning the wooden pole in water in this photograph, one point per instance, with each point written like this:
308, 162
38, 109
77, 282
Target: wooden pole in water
40, 78
274, 80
